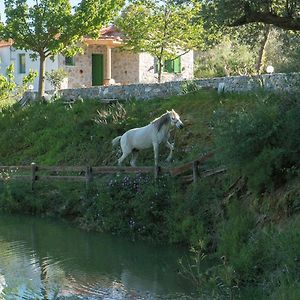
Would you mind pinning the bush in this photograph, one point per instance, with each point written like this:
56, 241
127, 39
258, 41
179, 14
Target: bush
10, 92
250, 260
226, 59
134, 206
262, 142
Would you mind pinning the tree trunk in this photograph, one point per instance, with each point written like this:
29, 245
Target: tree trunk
159, 71
262, 48
41, 90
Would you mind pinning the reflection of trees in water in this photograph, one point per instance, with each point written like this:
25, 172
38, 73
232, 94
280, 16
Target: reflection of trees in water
63, 262
2, 283
29, 275
26, 275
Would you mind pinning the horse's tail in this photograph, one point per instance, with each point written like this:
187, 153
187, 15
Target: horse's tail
116, 140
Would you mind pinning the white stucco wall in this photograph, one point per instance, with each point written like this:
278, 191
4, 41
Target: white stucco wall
127, 67
10, 55
4, 58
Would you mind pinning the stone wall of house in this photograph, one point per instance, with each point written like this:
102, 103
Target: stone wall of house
147, 74
274, 82
125, 66
80, 75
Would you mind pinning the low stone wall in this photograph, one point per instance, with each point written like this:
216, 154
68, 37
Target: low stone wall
274, 82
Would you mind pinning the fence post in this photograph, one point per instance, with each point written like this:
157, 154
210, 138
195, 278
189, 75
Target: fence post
33, 174
195, 171
88, 175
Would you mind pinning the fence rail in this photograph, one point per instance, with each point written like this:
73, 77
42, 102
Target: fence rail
86, 174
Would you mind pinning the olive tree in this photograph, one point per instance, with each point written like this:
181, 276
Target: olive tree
284, 14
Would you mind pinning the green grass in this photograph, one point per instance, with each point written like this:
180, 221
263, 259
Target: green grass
255, 230
59, 134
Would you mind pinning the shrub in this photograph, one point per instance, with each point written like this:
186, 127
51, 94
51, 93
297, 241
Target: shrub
10, 92
132, 205
261, 142
226, 59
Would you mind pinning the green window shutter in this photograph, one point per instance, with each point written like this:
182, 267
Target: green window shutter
22, 63
169, 66
177, 65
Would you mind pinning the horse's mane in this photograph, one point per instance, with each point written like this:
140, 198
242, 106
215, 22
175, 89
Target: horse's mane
161, 121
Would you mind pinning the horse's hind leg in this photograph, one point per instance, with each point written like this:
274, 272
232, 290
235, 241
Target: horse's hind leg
171, 147
135, 154
126, 150
124, 155
155, 149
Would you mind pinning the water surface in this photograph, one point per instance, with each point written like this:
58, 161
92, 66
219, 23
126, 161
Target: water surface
46, 259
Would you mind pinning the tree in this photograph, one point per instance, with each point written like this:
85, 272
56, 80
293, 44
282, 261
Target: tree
50, 26
256, 37
161, 28
281, 13
228, 58
10, 92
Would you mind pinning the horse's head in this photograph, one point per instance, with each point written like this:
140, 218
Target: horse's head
175, 119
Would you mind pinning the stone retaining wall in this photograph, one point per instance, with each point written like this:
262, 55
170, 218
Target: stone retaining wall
274, 82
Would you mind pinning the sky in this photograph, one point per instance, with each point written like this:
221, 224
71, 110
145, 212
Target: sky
73, 2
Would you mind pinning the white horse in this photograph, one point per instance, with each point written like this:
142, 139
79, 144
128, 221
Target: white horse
151, 135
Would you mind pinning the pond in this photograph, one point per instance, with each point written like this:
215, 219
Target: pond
46, 259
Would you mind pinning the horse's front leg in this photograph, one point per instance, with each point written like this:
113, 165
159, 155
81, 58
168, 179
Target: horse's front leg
155, 149
171, 147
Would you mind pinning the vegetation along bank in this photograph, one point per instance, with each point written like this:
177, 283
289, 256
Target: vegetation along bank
245, 220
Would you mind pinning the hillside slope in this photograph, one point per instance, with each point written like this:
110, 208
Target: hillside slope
246, 219
81, 133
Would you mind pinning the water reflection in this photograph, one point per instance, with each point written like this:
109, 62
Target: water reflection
42, 259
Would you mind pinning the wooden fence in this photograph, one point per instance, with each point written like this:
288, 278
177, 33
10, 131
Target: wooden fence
86, 174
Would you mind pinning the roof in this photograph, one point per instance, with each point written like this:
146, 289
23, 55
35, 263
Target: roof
5, 43
109, 36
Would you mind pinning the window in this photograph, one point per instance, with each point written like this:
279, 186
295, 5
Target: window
69, 61
22, 63
170, 65
173, 65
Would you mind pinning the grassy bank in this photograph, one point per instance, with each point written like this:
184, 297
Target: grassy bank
246, 219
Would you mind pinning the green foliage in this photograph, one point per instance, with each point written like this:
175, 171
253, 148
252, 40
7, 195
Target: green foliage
10, 92
248, 50
189, 87
261, 142
33, 27
132, 205
244, 244
250, 260
18, 197
56, 77
282, 51
241, 12
226, 59
161, 28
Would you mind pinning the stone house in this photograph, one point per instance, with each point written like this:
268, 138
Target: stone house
101, 63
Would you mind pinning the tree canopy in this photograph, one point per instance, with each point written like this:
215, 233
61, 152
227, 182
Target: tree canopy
52, 26
281, 13
161, 28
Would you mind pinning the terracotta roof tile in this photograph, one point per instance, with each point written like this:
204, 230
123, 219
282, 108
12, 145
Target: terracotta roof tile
6, 43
